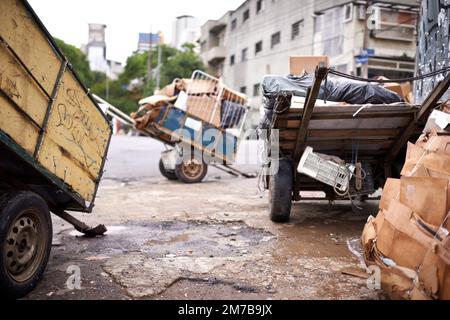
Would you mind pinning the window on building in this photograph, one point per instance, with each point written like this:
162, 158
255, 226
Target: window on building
257, 90
232, 60
243, 90
244, 54
296, 28
233, 24
348, 13
246, 15
258, 47
259, 6
276, 39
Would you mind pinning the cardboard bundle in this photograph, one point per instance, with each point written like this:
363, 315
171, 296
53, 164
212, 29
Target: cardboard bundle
409, 240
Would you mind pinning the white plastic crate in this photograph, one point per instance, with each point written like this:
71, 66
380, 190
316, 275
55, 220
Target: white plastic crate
326, 171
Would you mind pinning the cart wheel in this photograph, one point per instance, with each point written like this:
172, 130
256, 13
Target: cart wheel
191, 171
168, 174
280, 193
25, 240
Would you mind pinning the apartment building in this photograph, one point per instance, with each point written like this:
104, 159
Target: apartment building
259, 37
186, 29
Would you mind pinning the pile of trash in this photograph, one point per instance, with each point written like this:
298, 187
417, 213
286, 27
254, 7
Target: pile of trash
409, 240
203, 97
151, 108
332, 89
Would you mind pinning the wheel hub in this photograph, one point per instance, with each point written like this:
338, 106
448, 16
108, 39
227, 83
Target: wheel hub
22, 247
192, 169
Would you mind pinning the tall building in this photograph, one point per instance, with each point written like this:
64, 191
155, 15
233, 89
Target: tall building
96, 52
259, 37
186, 29
147, 40
96, 47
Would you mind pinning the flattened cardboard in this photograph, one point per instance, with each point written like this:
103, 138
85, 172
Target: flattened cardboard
427, 197
435, 273
400, 239
300, 65
391, 191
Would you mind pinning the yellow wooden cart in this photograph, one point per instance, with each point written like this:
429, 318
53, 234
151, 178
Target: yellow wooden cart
53, 144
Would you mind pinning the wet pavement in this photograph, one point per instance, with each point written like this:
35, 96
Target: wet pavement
213, 240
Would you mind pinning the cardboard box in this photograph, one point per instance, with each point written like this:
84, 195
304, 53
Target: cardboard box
404, 90
300, 65
391, 191
400, 238
428, 197
434, 274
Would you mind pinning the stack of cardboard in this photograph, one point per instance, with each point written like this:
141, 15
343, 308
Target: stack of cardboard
409, 239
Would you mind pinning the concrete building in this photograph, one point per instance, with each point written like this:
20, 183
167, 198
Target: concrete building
259, 37
96, 47
186, 29
96, 52
147, 40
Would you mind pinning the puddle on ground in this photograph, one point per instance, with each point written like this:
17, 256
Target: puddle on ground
175, 239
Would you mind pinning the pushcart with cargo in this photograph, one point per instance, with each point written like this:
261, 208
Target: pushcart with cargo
200, 125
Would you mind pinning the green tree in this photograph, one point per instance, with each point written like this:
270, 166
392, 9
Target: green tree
78, 60
182, 65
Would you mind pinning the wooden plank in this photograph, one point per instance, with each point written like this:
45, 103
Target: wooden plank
17, 127
350, 115
25, 37
350, 124
311, 98
76, 140
20, 87
336, 134
348, 143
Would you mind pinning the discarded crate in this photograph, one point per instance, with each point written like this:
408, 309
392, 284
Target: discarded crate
329, 172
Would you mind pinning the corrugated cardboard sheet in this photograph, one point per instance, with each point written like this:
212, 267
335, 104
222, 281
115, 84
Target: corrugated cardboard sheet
409, 239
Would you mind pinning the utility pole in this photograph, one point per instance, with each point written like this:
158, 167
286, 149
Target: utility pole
149, 62
158, 70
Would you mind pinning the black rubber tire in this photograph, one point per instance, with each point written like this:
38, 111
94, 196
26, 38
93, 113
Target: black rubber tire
13, 207
280, 192
184, 177
168, 174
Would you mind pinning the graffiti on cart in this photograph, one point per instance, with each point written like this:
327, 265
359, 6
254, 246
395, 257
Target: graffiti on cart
8, 85
82, 131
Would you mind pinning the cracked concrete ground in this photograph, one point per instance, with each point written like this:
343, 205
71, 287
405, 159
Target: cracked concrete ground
214, 240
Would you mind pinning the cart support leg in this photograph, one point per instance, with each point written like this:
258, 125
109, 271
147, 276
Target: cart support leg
233, 171
81, 226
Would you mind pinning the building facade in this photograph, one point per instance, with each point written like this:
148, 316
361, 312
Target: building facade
96, 47
149, 40
259, 37
96, 52
186, 29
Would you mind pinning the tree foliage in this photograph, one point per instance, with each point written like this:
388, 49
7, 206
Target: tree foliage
133, 84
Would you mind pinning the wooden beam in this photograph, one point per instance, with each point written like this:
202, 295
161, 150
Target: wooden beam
311, 98
424, 111
337, 134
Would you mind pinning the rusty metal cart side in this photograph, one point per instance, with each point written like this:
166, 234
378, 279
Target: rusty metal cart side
53, 144
379, 132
